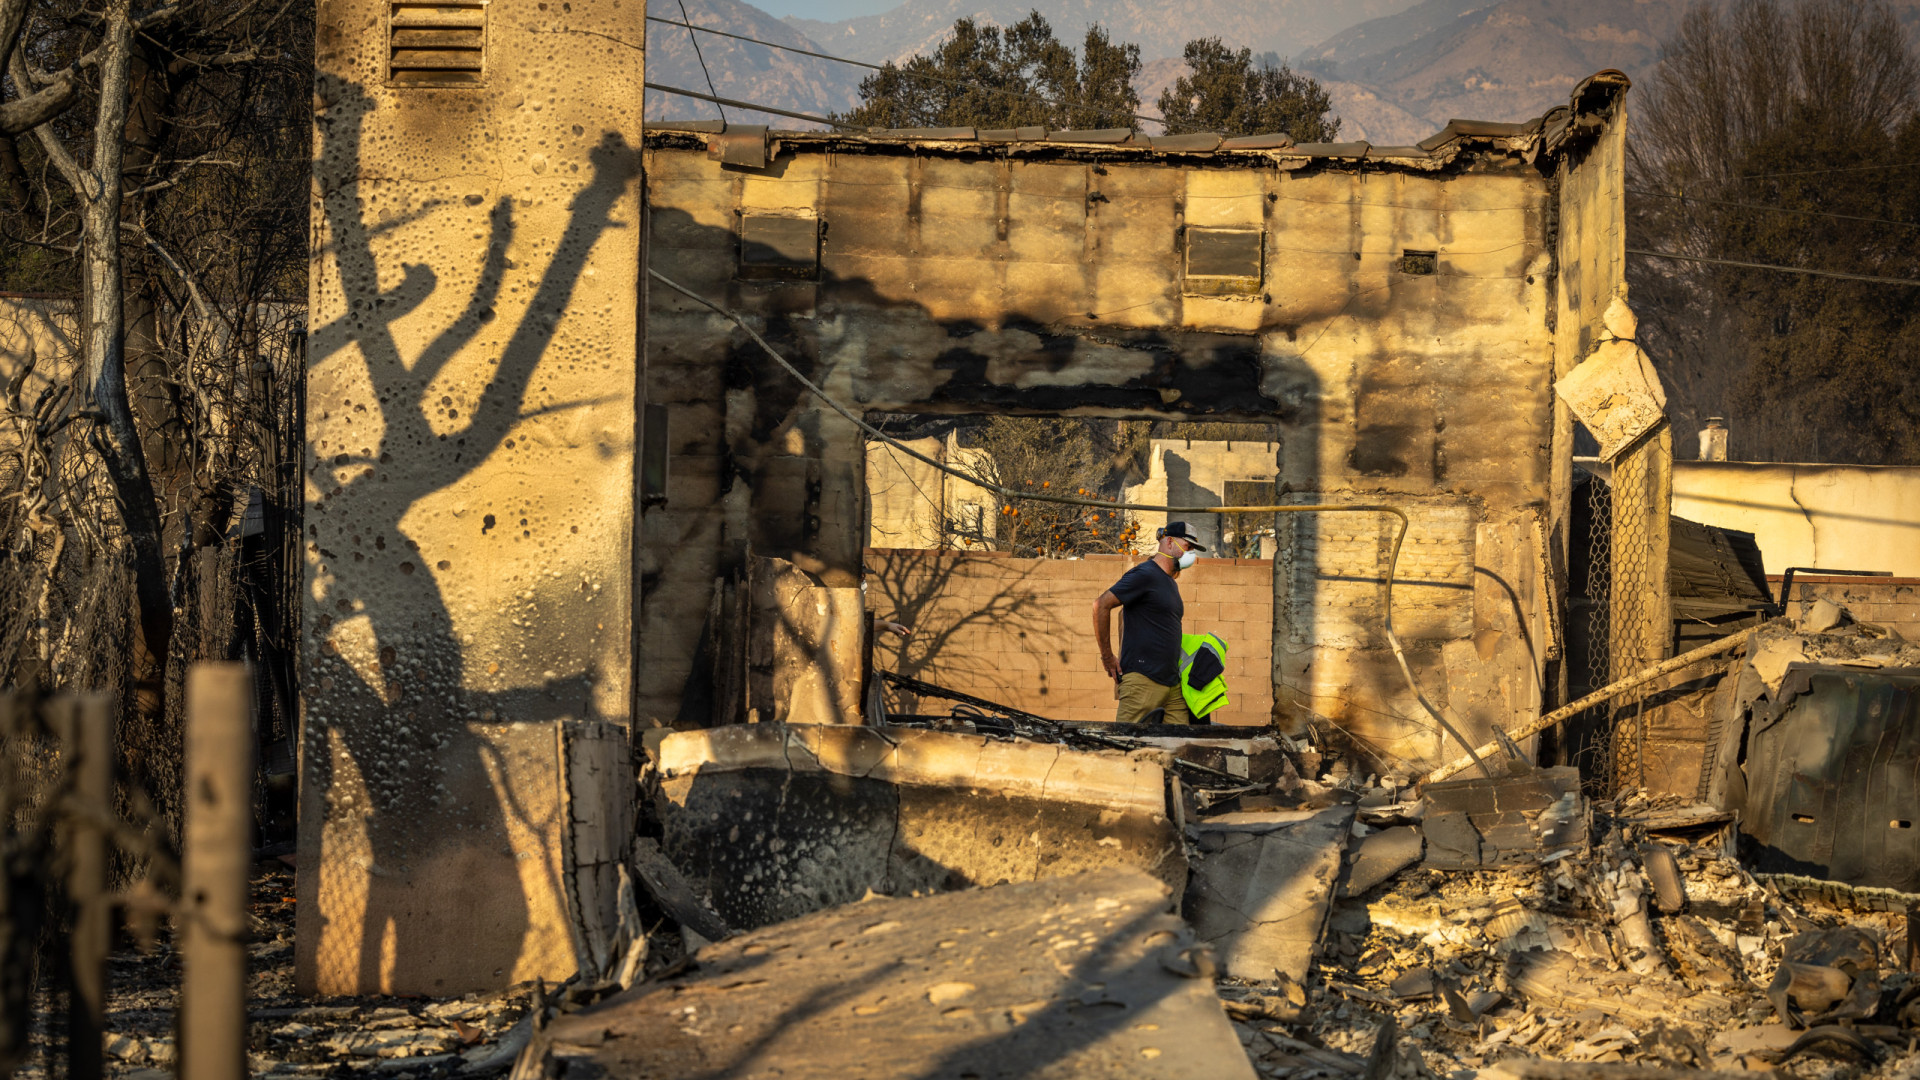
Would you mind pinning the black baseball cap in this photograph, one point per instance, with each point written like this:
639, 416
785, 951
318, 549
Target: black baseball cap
1185, 532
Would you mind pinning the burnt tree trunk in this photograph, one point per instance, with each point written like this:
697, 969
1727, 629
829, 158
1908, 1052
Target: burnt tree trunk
100, 188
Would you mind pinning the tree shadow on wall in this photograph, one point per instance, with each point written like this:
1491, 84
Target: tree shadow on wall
928, 591
390, 735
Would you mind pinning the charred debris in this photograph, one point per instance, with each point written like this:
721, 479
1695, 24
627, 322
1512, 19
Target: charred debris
984, 892
981, 891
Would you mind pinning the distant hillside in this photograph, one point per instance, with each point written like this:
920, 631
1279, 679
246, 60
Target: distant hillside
742, 71
1397, 70
1489, 59
1161, 29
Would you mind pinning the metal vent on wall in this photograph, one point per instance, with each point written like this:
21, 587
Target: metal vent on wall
1224, 262
437, 44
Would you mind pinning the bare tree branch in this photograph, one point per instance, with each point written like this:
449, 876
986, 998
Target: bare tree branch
25, 114
50, 143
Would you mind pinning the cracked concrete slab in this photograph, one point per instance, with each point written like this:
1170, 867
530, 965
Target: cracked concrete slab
1068, 977
771, 822
1260, 891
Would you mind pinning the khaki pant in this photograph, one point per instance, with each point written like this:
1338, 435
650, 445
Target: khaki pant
1140, 695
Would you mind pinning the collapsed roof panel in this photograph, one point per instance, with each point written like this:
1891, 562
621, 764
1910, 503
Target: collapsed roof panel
1548, 133
1833, 776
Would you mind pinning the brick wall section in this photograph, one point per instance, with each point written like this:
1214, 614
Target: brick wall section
1890, 602
1019, 631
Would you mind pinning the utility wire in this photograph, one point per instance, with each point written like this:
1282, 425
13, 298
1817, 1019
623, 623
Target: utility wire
1774, 209
1869, 278
696, 95
697, 55
1820, 172
1393, 561
962, 83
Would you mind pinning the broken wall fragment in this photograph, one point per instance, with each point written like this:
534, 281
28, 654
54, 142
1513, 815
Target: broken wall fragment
1515, 819
1261, 887
770, 822
1615, 392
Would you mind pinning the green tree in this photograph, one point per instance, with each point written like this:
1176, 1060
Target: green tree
982, 76
1783, 135
1069, 456
1235, 93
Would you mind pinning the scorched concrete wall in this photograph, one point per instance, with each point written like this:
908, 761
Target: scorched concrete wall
969, 272
475, 305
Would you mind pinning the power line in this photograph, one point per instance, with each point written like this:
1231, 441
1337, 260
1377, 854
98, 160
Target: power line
697, 96
1775, 209
962, 83
1784, 269
769, 44
1817, 172
698, 55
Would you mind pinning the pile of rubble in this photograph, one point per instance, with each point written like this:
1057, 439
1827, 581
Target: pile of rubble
1640, 948
1348, 925
996, 895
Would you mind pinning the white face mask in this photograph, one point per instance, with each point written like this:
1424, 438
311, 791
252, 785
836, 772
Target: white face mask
1187, 559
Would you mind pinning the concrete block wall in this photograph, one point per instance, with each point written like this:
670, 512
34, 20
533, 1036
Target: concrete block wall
1890, 602
1431, 392
1042, 279
1019, 631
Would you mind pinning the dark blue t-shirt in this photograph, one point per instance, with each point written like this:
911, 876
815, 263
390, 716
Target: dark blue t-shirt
1150, 641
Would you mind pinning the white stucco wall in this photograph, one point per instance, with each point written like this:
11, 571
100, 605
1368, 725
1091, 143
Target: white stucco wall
1190, 472
1836, 517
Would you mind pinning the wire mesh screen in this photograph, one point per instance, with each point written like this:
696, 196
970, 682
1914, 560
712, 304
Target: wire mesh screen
1592, 753
1638, 628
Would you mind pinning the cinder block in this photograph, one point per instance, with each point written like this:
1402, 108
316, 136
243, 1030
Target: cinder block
1082, 680
1238, 611
1203, 612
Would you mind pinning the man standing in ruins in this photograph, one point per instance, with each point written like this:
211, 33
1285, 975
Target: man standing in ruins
1148, 670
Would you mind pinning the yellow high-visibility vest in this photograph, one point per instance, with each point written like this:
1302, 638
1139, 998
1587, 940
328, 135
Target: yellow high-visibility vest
1212, 696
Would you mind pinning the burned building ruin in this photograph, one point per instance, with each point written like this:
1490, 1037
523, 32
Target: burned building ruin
490, 551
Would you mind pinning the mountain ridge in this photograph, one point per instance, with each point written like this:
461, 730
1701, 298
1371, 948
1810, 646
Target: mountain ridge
1396, 73
742, 70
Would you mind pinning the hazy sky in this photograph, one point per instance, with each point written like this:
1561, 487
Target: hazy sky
824, 10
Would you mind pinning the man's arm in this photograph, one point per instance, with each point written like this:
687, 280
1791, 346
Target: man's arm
1102, 631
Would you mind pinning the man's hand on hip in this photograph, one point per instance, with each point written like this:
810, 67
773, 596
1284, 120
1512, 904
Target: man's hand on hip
1112, 665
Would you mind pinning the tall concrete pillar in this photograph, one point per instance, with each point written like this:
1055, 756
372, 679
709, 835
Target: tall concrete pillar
476, 300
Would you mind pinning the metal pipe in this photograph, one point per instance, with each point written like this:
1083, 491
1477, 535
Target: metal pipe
1611, 690
1393, 561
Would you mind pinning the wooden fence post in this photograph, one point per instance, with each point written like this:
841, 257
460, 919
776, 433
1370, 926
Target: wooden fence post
215, 863
89, 739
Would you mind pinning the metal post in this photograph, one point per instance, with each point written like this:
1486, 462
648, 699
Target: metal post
219, 845
1913, 938
89, 739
